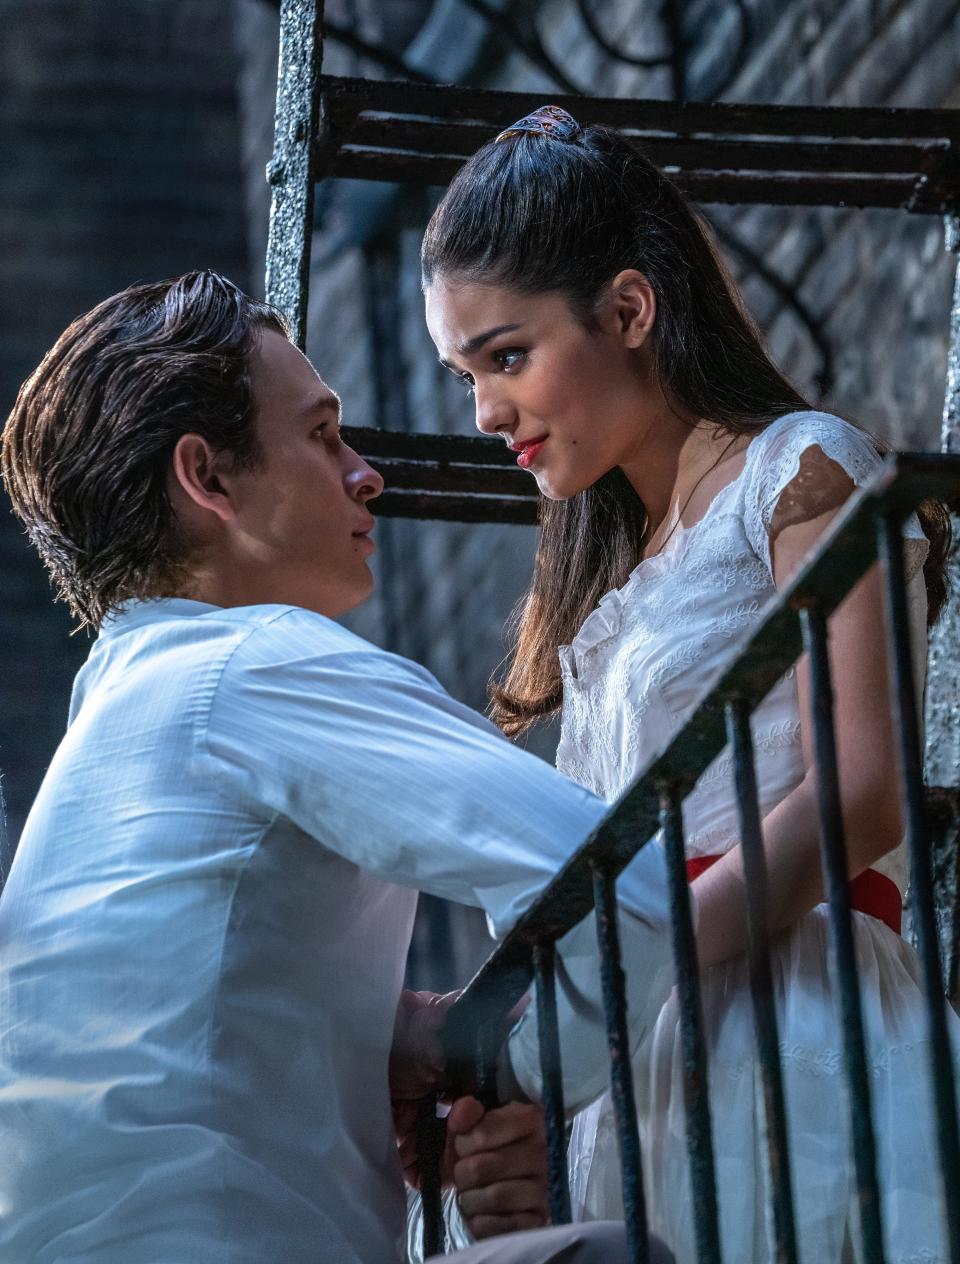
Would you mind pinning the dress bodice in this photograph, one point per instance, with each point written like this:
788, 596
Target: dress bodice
643, 658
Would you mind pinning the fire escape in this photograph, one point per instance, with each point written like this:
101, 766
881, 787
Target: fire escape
908, 159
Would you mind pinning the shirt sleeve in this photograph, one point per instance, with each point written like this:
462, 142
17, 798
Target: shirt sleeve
365, 752
807, 465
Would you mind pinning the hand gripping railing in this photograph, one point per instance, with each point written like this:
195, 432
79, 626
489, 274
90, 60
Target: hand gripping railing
867, 528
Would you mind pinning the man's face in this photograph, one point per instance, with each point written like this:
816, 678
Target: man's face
301, 531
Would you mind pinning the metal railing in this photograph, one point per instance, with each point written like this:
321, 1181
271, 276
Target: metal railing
795, 622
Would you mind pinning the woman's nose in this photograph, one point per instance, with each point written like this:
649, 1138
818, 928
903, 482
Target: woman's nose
493, 413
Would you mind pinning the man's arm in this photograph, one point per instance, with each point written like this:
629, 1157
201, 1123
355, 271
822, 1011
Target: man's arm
368, 755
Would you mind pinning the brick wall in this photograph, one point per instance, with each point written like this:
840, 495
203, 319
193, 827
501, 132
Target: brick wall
120, 162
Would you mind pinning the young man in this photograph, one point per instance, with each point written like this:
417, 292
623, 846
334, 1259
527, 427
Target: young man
203, 934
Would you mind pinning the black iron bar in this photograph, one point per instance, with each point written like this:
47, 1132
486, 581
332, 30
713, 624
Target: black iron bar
696, 1088
425, 476
548, 1038
890, 548
348, 96
943, 694
707, 153
722, 187
468, 449
431, 1137
621, 1070
834, 863
761, 980
292, 172
457, 508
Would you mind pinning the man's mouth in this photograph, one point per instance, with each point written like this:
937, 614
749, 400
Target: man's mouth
528, 450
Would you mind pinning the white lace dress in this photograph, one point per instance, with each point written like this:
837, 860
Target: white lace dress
630, 677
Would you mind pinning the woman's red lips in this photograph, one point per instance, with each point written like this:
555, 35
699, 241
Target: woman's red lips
529, 450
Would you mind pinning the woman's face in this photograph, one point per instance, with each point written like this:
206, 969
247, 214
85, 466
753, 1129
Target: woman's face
572, 402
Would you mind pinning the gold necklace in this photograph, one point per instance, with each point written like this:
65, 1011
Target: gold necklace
710, 468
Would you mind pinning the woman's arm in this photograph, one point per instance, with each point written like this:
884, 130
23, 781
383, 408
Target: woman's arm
868, 772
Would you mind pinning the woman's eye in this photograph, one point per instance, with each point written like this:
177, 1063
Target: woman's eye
467, 380
509, 359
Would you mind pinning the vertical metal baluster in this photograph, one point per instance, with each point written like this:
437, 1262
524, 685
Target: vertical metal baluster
488, 1043
621, 1071
834, 862
291, 171
696, 1091
431, 1137
890, 544
548, 1037
761, 980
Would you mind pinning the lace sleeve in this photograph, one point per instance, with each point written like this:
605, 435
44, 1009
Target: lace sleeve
807, 465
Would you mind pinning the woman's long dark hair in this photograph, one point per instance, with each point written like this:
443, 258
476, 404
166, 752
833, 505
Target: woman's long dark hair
536, 214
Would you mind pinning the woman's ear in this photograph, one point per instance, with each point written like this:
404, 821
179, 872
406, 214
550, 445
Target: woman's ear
196, 482
633, 307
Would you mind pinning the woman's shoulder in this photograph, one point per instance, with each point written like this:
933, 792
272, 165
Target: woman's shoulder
797, 431
776, 453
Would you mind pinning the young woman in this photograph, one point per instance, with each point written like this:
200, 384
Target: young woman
578, 296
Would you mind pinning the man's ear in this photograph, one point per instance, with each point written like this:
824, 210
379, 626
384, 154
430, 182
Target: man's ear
633, 306
196, 479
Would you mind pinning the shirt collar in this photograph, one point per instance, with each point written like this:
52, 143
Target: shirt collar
138, 614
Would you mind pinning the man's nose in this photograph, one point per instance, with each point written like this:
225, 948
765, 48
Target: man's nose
362, 480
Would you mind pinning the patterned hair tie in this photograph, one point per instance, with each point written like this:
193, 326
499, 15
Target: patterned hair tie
548, 121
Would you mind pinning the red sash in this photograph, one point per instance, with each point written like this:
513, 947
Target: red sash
870, 892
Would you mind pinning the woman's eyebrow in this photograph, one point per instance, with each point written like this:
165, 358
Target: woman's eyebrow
473, 345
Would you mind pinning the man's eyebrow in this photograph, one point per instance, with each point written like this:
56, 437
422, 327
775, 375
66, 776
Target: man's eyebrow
325, 404
472, 345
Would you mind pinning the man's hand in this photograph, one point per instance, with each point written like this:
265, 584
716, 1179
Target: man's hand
499, 1162
416, 1067
416, 1056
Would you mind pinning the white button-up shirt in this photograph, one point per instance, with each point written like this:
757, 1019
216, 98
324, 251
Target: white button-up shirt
202, 938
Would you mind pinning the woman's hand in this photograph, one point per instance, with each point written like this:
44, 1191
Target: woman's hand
416, 1055
499, 1166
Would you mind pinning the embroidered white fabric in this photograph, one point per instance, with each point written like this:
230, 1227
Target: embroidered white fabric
631, 676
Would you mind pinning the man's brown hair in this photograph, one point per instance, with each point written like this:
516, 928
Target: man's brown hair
87, 447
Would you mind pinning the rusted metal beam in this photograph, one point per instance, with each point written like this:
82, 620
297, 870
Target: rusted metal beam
292, 171
711, 153
722, 152
468, 449
347, 97
458, 478
942, 742
450, 507
896, 192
